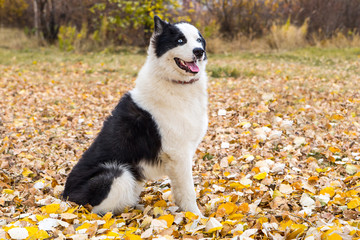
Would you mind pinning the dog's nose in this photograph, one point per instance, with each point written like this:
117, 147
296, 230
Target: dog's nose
198, 52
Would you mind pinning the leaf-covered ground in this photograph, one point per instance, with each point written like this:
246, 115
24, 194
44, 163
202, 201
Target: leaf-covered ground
280, 159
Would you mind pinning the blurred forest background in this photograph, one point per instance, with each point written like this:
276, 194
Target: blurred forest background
87, 25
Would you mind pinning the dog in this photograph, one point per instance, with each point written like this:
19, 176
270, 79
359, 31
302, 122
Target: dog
153, 131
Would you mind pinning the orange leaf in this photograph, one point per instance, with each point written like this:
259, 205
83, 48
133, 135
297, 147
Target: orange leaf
168, 218
244, 208
161, 203
334, 149
312, 180
229, 208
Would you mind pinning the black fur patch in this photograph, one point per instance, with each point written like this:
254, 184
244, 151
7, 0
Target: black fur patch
203, 43
128, 136
167, 36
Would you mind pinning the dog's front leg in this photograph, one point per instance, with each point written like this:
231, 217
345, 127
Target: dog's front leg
182, 185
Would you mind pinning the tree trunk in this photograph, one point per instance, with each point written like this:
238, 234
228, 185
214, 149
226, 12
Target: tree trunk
36, 18
44, 11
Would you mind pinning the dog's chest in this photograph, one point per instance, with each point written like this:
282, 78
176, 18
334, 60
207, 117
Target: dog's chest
183, 121
180, 114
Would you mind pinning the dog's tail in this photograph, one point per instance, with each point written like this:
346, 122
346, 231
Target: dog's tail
108, 187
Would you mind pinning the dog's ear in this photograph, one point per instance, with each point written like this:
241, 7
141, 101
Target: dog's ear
158, 25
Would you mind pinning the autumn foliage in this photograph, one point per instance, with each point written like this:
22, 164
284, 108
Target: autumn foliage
280, 159
123, 22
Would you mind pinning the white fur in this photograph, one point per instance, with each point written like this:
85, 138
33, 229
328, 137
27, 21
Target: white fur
124, 192
180, 112
152, 172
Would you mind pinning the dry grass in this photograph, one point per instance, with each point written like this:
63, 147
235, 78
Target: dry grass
339, 40
281, 37
16, 39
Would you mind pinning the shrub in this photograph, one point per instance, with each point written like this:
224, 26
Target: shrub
287, 36
67, 36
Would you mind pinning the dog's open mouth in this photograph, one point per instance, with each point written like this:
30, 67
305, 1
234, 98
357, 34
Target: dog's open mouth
187, 66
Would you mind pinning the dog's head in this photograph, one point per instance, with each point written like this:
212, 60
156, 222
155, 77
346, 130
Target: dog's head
179, 49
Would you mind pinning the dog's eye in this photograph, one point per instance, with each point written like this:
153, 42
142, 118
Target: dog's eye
198, 40
180, 40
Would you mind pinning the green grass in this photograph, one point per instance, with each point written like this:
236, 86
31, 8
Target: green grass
125, 61
309, 56
235, 65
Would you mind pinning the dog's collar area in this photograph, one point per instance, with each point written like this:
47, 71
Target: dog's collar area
185, 82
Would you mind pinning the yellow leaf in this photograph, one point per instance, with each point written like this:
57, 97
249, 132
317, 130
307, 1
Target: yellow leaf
6, 139
7, 191
51, 208
260, 176
109, 223
25, 155
168, 218
71, 210
214, 229
238, 186
85, 225
277, 193
161, 203
191, 216
319, 170
107, 216
35, 233
284, 224
231, 223
334, 236
295, 234
354, 203
328, 190
26, 172
112, 235
132, 237
263, 220
40, 217
230, 158
297, 226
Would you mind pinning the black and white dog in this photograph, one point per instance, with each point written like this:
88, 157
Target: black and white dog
153, 131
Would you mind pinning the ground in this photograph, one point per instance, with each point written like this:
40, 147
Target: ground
280, 159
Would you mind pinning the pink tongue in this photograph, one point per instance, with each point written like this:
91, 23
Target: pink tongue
193, 67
